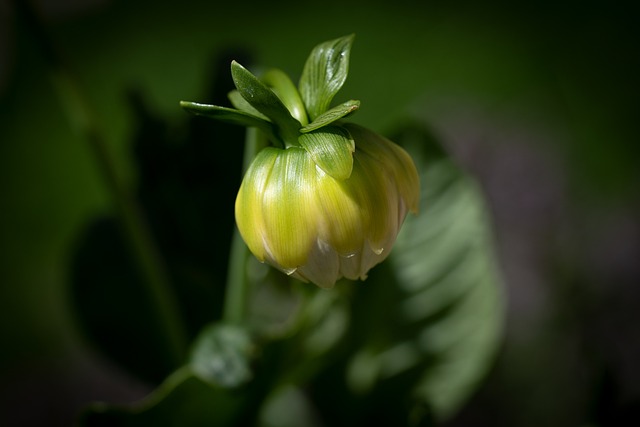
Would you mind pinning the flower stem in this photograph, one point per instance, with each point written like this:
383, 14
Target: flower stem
144, 249
237, 287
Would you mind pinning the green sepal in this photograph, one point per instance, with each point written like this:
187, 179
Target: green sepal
336, 113
324, 74
266, 101
230, 115
288, 93
331, 148
241, 104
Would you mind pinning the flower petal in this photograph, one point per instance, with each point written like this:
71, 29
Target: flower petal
393, 158
342, 225
323, 266
249, 201
331, 148
377, 197
290, 209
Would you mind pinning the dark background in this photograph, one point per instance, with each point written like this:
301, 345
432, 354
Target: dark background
538, 100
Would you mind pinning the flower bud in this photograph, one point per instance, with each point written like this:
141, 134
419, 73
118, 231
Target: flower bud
327, 199
314, 227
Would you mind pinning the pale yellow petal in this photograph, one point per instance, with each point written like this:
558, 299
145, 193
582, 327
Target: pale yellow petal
393, 158
290, 210
377, 197
342, 224
248, 208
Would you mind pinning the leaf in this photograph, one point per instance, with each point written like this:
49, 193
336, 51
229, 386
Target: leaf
264, 100
288, 93
229, 115
221, 355
336, 113
241, 104
331, 148
427, 322
324, 74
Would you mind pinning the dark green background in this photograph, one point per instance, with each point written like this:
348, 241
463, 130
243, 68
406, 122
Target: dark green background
538, 100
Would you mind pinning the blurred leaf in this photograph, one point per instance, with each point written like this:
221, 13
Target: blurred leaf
445, 266
221, 355
426, 323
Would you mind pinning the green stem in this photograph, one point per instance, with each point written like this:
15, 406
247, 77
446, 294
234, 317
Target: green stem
143, 247
237, 287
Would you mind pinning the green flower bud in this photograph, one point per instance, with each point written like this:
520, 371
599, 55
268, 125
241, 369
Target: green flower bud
327, 199
317, 228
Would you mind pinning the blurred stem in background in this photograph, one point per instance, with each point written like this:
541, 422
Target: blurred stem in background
237, 287
144, 250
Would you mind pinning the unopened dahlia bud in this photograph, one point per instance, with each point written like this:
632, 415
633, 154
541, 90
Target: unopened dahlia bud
317, 228
327, 200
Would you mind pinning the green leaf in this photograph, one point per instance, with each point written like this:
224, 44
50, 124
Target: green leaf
228, 115
336, 113
241, 104
221, 355
324, 74
288, 93
265, 100
331, 148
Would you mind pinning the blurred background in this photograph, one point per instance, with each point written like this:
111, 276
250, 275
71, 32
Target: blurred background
537, 100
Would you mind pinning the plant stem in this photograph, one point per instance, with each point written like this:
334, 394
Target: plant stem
142, 244
237, 287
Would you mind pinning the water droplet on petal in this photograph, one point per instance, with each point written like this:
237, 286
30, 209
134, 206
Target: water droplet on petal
347, 256
289, 271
